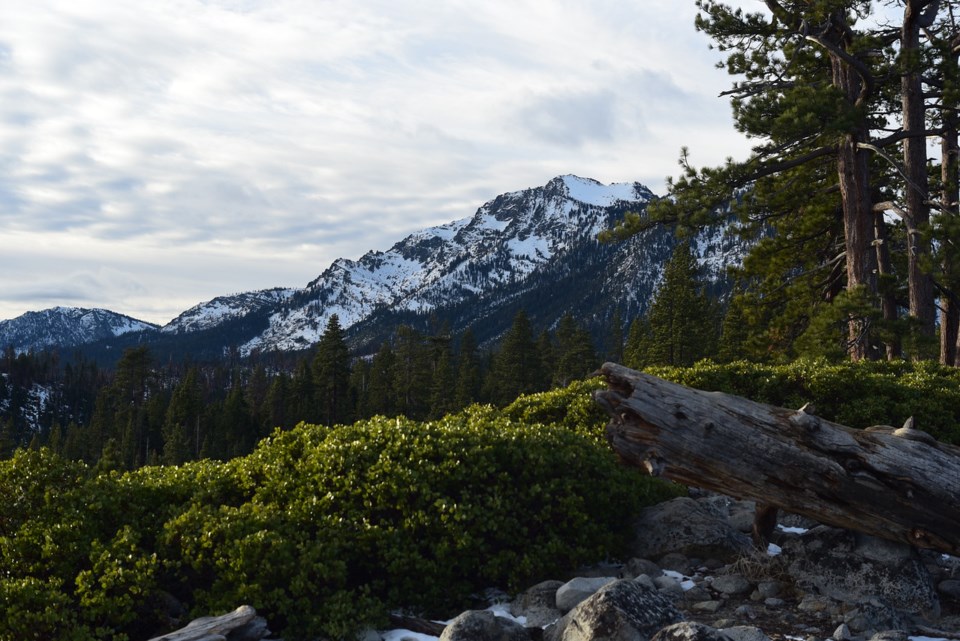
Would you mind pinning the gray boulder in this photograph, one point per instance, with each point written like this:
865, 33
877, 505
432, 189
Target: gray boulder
873, 615
620, 611
731, 584
683, 525
848, 566
689, 631
483, 625
576, 590
745, 633
538, 604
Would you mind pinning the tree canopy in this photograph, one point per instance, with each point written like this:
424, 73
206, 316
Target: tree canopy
841, 100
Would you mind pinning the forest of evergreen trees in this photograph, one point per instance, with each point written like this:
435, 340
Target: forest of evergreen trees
146, 412
851, 214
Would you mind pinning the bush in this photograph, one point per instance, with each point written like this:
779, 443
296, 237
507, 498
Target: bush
323, 530
854, 394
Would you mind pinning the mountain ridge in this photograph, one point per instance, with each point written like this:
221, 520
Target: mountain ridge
534, 248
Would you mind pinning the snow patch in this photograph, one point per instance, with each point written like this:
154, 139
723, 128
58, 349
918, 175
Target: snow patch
592, 192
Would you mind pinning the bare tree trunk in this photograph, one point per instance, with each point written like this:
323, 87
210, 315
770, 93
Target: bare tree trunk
950, 197
899, 485
921, 296
853, 170
888, 302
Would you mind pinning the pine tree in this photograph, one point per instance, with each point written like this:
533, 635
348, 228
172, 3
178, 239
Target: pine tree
331, 375
181, 426
681, 318
615, 340
277, 404
469, 377
382, 394
517, 368
442, 399
575, 357
817, 84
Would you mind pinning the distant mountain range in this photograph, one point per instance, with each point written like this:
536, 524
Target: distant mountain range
534, 249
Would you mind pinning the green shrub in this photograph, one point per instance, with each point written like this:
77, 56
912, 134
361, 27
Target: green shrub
854, 394
321, 529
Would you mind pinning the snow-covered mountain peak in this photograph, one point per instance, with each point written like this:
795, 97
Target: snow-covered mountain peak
593, 192
506, 240
534, 248
67, 326
224, 308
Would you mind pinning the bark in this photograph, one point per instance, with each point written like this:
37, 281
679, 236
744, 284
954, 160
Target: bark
209, 628
888, 301
899, 485
853, 170
920, 283
950, 198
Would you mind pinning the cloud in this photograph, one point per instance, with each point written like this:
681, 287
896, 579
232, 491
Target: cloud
205, 147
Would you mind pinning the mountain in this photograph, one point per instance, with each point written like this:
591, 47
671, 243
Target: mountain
533, 249
67, 327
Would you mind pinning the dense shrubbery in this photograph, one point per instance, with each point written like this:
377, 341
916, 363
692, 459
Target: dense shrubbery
321, 529
854, 394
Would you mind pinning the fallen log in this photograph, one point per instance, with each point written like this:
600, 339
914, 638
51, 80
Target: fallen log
897, 484
213, 628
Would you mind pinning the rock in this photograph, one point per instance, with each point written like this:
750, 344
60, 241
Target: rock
636, 567
768, 589
646, 581
538, 604
619, 611
745, 633
950, 588
774, 602
873, 614
816, 604
576, 590
842, 633
848, 566
689, 631
731, 584
696, 593
682, 525
668, 584
745, 612
483, 625
741, 516
890, 635
708, 606
676, 562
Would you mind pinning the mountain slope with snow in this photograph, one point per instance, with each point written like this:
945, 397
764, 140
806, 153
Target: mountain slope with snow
504, 242
533, 249
66, 327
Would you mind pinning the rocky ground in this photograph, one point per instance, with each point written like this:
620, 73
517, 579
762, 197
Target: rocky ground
695, 575
812, 583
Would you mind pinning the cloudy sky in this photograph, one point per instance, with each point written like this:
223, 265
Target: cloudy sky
158, 153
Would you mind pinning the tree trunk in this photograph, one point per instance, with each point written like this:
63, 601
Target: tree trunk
853, 170
920, 283
888, 301
899, 485
950, 197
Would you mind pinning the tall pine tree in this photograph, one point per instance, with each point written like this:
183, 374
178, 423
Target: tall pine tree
331, 375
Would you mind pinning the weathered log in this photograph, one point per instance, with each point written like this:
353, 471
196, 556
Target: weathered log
899, 485
212, 628
417, 624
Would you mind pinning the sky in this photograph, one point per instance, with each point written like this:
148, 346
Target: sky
155, 154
